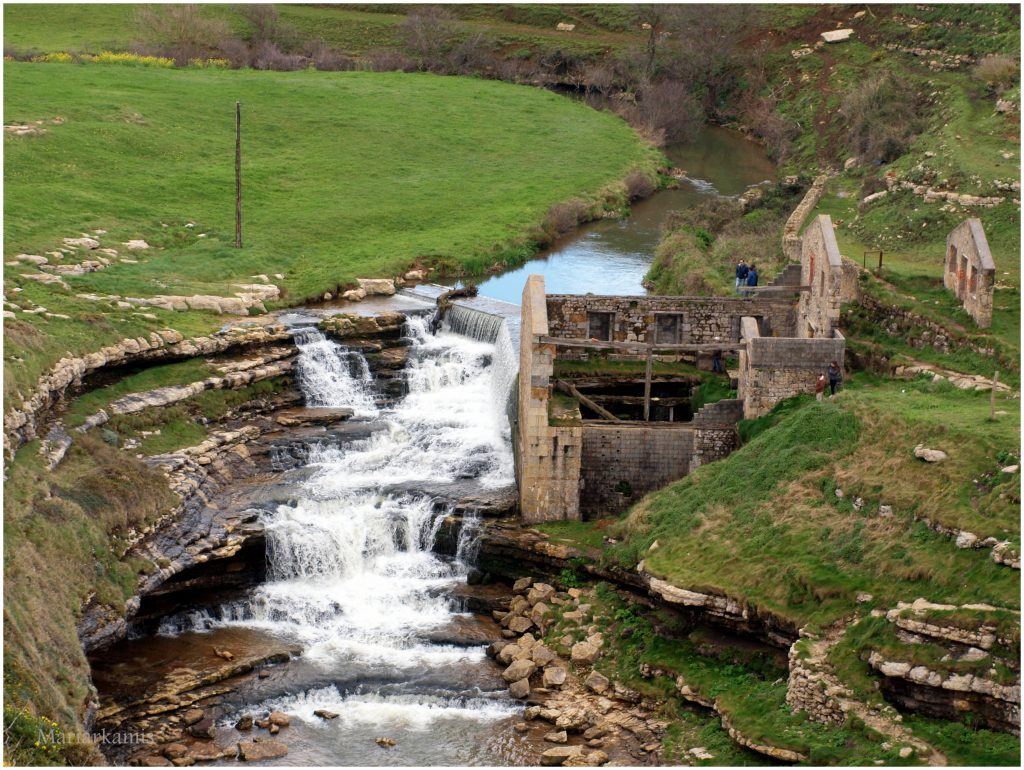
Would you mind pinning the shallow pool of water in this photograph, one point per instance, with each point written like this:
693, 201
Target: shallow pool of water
612, 256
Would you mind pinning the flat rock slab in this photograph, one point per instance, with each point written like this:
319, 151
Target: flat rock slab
257, 750
836, 35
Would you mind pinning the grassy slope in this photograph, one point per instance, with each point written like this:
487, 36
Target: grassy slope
345, 175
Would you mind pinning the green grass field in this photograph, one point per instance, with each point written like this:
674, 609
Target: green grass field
345, 175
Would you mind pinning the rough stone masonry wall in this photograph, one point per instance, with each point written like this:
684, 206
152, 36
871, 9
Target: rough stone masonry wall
791, 232
969, 270
640, 458
772, 369
819, 308
637, 458
549, 456
705, 319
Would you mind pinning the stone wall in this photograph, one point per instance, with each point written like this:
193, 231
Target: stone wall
772, 369
969, 271
548, 456
703, 320
622, 462
791, 232
819, 307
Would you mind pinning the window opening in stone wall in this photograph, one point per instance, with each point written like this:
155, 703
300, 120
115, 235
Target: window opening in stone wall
599, 326
972, 282
951, 261
668, 328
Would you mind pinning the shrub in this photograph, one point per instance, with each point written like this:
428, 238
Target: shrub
269, 57
210, 64
388, 60
130, 59
563, 217
429, 34
180, 32
638, 184
998, 71
883, 116
326, 59
57, 57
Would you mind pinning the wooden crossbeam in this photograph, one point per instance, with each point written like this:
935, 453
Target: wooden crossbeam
640, 347
567, 387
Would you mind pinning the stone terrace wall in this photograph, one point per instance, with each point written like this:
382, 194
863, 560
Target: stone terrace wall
819, 308
714, 431
548, 456
774, 369
970, 271
705, 319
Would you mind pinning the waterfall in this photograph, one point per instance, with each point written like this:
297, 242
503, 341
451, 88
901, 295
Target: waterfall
494, 328
331, 376
352, 573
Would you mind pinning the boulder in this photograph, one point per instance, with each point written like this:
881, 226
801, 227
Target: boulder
207, 752
557, 736
929, 455
519, 669
540, 592
354, 295
597, 682
85, 243
136, 244
155, 760
520, 689
508, 653
175, 750
519, 624
554, 676
522, 585
384, 286
541, 654
244, 723
495, 647
556, 756
258, 750
279, 718
415, 275
526, 642
584, 652
836, 35
540, 609
204, 728
596, 758
325, 714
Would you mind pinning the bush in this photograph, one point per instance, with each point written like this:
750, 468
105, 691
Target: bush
563, 217
998, 71
883, 116
180, 32
131, 59
429, 34
57, 57
638, 185
388, 60
269, 57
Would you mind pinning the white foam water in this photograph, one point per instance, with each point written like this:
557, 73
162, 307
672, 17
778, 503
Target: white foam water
352, 574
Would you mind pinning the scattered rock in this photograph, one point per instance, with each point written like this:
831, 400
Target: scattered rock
556, 757
522, 585
584, 652
175, 750
1010, 469
836, 35
554, 676
192, 716
521, 727
85, 243
279, 718
244, 723
597, 682
325, 714
929, 455
354, 295
701, 753
520, 689
560, 736
134, 245
204, 728
383, 286
155, 760
905, 752
383, 742
519, 669
257, 750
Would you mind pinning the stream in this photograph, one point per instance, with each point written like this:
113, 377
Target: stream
612, 256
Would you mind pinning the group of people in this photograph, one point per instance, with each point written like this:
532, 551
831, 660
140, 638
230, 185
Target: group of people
746, 275
835, 378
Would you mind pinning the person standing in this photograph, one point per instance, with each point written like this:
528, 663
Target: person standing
819, 387
741, 274
751, 278
835, 377
716, 362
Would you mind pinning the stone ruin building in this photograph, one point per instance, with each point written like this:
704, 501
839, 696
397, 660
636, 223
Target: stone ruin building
970, 272
581, 356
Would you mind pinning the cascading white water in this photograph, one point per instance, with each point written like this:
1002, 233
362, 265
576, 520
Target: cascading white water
331, 376
351, 572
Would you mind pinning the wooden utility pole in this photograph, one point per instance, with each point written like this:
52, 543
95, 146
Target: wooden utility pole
992, 402
238, 175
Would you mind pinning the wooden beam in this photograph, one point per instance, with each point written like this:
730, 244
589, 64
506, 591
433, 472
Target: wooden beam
647, 383
567, 387
639, 347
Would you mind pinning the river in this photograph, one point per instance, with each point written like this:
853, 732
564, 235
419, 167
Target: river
612, 256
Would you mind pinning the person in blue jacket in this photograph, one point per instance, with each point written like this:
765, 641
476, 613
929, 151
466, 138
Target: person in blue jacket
751, 277
741, 274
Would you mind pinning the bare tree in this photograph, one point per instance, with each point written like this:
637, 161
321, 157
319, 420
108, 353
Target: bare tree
430, 34
180, 31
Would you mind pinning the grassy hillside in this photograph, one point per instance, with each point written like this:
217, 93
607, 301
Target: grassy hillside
345, 175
